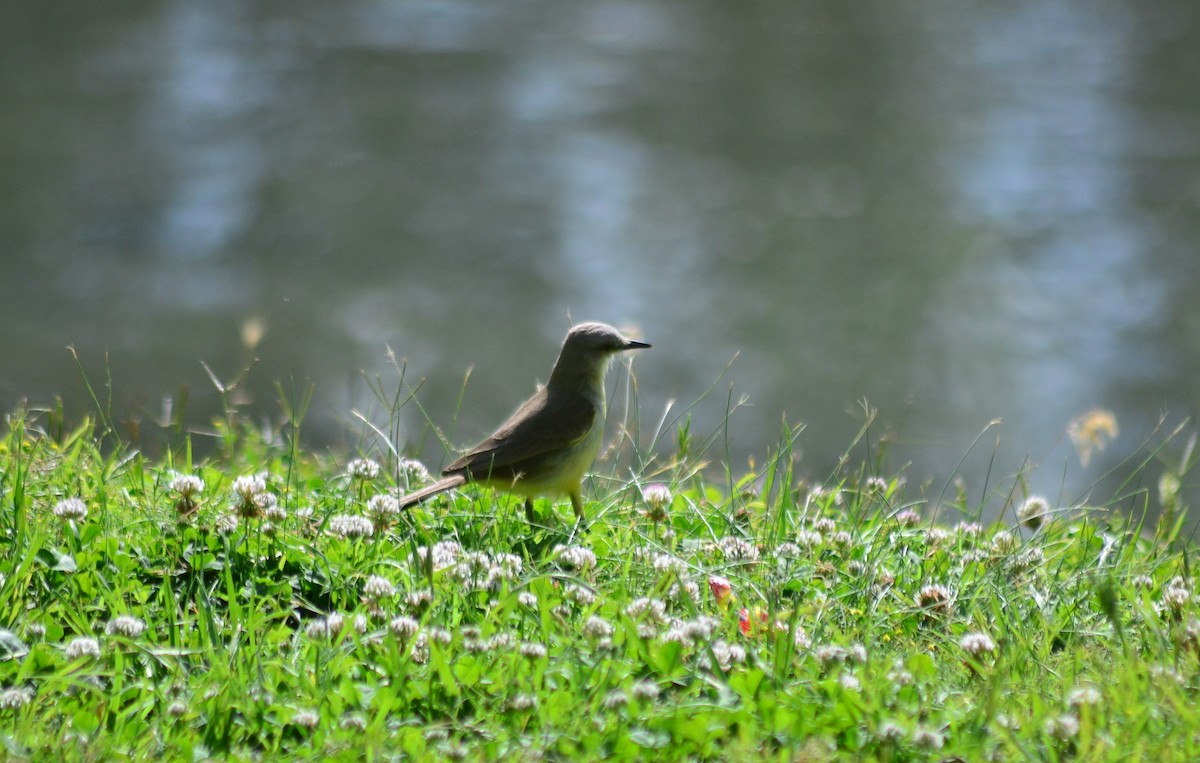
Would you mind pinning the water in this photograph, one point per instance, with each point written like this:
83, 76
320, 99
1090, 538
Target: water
959, 213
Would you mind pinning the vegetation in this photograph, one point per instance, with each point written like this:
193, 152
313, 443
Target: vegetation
269, 603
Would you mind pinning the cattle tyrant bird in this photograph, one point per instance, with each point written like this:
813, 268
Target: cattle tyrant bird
548, 444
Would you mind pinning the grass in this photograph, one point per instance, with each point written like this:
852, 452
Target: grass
281, 610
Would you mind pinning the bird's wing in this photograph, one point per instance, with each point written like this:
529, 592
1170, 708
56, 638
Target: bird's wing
542, 425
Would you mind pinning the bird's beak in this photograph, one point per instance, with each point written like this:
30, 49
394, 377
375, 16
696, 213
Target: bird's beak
635, 345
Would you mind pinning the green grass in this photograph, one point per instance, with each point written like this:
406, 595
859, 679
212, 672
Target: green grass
842, 638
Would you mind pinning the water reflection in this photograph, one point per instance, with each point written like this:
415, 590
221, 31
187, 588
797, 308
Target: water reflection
960, 213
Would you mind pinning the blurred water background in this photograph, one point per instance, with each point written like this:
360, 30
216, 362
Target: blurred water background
958, 211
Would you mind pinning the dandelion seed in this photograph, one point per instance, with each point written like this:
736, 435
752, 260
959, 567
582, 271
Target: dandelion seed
1033, 512
12, 698
125, 625
306, 719
70, 510
351, 526
1090, 433
977, 644
82, 646
362, 469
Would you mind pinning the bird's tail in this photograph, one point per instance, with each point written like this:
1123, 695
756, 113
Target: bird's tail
440, 486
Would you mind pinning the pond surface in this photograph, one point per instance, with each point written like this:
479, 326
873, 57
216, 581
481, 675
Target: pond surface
959, 212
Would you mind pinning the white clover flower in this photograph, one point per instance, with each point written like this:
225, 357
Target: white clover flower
14, 697
908, 518
362, 469
125, 625
378, 587
668, 563
306, 719
728, 655
646, 690
875, 485
936, 598
354, 722
413, 471
737, 550
383, 506
849, 682
351, 526
654, 609
597, 628
801, 639
522, 702
977, 644
1063, 727
272, 511
1033, 512
577, 558
615, 699
890, 732
656, 494
824, 525
177, 709
809, 539
419, 601
247, 487
1003, 542
325, 627
532, 650
404, 627
226, 523
527, 599
1083, 696
82, 646
186, 485
443, 554
927, 739
70, 510
969, 530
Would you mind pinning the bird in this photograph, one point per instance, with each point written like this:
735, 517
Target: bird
551, 440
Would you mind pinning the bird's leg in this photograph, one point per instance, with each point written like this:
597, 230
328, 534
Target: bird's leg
529, 513
577, 504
